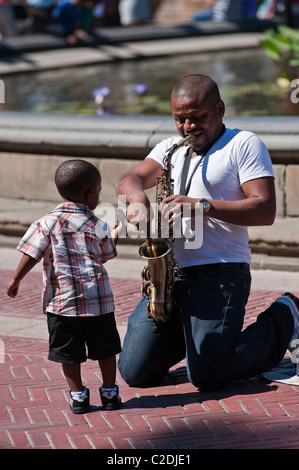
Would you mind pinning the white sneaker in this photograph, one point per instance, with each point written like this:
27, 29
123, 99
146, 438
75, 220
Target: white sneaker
110, 398
79, 402
293, 303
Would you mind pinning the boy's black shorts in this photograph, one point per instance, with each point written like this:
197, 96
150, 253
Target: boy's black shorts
71, 336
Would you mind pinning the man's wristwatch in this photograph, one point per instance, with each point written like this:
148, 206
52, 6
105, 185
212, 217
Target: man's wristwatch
204, 205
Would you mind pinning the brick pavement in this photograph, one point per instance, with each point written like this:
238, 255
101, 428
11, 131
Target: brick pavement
34, 411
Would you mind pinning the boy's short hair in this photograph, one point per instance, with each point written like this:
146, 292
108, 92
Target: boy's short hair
74, 177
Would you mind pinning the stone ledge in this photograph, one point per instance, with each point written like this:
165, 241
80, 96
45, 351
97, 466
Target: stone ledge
127, 136
279, 239
119, 35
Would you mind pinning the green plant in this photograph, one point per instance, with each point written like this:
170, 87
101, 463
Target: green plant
282, 45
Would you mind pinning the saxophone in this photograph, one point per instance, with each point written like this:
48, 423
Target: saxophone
158, 276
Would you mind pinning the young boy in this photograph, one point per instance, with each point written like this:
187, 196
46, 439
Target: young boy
77, 297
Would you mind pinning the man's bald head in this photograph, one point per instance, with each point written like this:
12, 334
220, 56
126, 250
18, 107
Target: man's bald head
196, 86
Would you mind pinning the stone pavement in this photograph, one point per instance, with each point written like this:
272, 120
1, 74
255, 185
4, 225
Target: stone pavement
172, 416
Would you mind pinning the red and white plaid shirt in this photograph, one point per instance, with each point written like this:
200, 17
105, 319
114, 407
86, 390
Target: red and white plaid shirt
73, 244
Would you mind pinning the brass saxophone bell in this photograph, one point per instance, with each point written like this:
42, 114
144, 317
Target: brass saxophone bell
159, 247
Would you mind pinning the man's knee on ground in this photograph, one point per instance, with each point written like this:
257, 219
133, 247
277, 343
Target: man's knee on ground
138, 380
133, 380
207, 377
139, 376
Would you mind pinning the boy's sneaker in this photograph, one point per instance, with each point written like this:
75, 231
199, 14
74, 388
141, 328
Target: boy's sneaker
110, 398
79, 402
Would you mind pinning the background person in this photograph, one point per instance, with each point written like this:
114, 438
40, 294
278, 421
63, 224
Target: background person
134, 12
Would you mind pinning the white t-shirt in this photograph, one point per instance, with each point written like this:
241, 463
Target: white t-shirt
236, 157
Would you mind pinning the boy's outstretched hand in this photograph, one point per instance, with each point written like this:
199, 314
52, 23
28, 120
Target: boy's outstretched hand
115, 232
12, 288
25, 265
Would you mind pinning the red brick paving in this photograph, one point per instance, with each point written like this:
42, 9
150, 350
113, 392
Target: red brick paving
34, 410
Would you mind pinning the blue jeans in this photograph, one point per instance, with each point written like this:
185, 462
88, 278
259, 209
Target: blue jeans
207, 330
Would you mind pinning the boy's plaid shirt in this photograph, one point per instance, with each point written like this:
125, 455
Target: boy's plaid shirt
74, 244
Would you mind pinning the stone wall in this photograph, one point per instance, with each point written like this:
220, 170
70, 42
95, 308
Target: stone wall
33, 146
30, 176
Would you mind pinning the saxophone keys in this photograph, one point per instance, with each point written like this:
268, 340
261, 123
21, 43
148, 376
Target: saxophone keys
146, 273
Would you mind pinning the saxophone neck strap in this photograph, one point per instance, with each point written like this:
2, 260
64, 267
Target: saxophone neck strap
184, 189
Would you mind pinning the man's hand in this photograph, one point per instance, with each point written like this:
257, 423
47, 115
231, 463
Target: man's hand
173, 207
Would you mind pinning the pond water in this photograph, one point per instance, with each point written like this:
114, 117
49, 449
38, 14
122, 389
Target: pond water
247, 81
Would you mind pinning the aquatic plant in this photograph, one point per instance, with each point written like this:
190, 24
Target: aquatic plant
282, 45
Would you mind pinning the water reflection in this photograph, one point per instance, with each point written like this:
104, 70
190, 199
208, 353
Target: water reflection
247, 80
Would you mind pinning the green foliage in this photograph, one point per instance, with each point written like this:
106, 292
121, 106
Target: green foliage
282, 45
